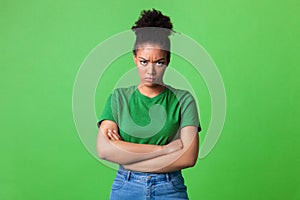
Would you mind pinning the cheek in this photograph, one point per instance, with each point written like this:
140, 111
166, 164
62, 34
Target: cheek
161, 71
141, 71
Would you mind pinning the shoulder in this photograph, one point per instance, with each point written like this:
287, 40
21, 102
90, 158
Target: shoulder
124, 91
181, 94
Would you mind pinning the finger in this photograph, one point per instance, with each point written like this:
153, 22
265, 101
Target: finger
117, 134
110, 136
109, 132
113, 134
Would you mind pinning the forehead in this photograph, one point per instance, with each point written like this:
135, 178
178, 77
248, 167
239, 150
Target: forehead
151, 50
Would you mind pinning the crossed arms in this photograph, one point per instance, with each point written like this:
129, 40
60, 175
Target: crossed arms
178, 154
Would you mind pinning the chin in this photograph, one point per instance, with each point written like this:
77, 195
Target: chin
150, 84
153, 85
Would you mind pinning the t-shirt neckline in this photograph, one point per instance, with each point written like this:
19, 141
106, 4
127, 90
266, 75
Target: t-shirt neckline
151, 98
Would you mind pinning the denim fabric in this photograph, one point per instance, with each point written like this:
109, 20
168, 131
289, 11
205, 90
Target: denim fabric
132, 185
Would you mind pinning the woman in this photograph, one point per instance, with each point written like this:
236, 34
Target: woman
150, 129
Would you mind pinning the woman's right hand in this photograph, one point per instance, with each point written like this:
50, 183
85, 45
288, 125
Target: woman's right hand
113, 135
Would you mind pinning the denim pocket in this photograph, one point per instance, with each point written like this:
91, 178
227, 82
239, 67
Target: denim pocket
178, 183
118, 182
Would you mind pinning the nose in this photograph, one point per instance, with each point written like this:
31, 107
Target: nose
150, 69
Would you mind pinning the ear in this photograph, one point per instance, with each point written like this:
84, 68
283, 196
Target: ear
134, 59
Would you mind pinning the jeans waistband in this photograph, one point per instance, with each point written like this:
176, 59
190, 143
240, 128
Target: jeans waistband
144, 176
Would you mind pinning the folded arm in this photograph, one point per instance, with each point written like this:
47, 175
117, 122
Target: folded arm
121, 152
184, 158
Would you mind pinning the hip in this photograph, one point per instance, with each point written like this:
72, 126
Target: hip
145, 185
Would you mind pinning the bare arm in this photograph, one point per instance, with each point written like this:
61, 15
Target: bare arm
121, 152
184, 158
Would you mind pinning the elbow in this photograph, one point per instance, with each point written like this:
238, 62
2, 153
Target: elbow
190, 162
105, 154
102, 153
102, 147
186, 163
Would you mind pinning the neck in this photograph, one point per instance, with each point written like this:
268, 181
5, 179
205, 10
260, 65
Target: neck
151, 91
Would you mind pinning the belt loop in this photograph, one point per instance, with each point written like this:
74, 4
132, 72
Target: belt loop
128, 175
168, 176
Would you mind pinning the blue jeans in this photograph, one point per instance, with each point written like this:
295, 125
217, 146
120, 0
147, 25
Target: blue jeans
132, 185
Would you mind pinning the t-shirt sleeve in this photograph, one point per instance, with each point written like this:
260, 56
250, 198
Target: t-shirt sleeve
107, 113
189, 112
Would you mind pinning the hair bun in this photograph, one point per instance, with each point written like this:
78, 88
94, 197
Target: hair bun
153, 18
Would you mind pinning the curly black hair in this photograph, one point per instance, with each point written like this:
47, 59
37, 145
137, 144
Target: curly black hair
153, 27
153, 18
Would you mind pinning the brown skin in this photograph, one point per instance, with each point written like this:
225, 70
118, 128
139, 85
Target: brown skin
151, 62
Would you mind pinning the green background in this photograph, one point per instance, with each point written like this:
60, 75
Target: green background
255, 45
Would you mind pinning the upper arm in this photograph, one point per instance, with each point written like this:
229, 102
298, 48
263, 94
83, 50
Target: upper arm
189, 112
190, 126
190, 140
102, 139
108, 124
107, 118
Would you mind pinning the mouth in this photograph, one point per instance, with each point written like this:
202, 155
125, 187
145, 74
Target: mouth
148, 79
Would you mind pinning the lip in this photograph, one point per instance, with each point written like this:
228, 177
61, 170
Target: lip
149, 79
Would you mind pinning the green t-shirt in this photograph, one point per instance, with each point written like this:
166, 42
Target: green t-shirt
146, 120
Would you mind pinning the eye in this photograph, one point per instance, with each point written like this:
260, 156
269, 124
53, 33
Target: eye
143, 62
159, 63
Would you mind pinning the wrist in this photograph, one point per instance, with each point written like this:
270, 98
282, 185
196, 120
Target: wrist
163, 149
166, 149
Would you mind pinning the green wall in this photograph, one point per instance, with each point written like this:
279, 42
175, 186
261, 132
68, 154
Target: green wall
255, 45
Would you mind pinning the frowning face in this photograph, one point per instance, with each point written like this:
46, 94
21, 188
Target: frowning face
151, 62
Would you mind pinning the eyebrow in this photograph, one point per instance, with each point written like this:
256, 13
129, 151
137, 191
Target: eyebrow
154, 61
